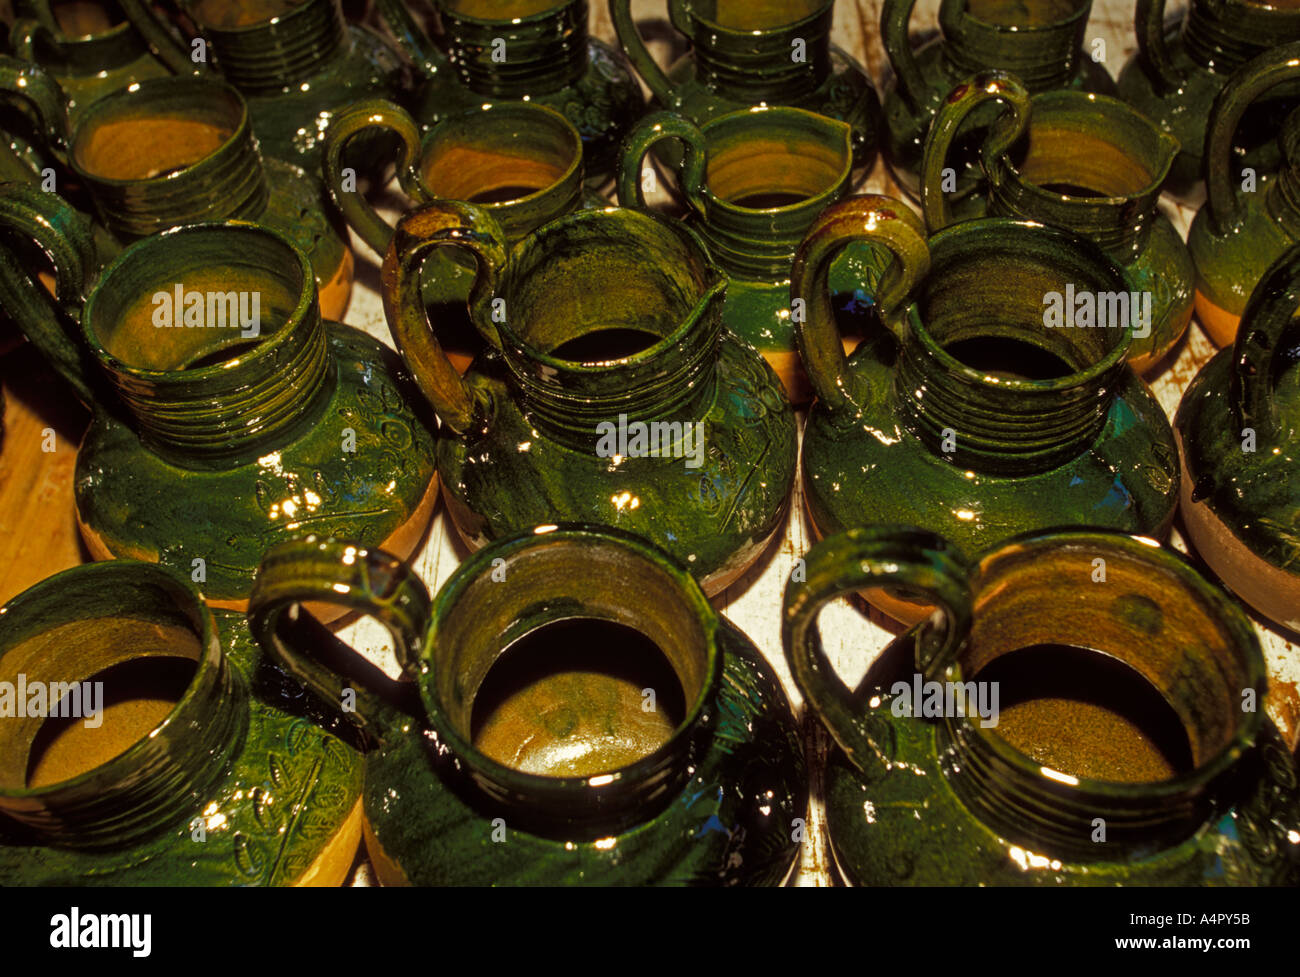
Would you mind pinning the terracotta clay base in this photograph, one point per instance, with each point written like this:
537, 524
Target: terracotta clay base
1141, 364
788, 367
386, 870
335, 293
1219, 324
331, 867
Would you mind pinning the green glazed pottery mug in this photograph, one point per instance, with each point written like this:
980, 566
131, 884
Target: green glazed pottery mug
537, 51
975, 412
609, 392
1175, 77
583, 715
208, 442
1250, 217
754, 180
1238, 429
173, 151
1084, 162
144, 740
90, 48
1039, 41
746, 53
1082, 709
297, 63
521, 162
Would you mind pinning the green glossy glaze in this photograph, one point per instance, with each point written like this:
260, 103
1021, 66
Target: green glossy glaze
199, 448
89, 49
521, 440
1087, 446
171, 151
944, 800
521, 162
1112, 162
1041, 43
1244, 225
1175, 77
754, 181
1239, 431
715, 804
265, 771
297, 65
758, 52
534, 50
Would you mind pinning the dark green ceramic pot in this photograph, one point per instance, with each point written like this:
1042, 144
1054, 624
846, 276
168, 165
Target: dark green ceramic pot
296, 63
754, 181
209, 443
610, 392
1055, 784
1040, 43
202, 764
597, 778
1176, 75
1239, 432
521, 162
90, 49
968, 415
531, 50
1249, 218
761, 52
1087, 163
171, 151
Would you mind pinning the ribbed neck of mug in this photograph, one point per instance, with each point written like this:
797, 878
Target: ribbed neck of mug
284, 50
1042, 58
156, 784
759, 66
114, 48
1283, 197
571, 401
532, 56
1222, 36
1120, 225
757, 245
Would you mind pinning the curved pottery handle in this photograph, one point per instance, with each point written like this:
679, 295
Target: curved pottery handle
366, 580
1247, 83
443, 223
1269, 332
167, 47
690, 171
873, 557
1010, 125
895, 15
51, 324
876, 220
629, 38
1149, 25
33, 84
374, 113
410, 36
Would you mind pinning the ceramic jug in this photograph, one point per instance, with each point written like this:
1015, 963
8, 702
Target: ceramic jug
522, 50
1250, 217
171, 151
296, 62
756, 52
754, 180
90, 48
207, 442
975, 412
1238, 430
1084, 709
519, 161
1087, 163
610, 392
1039, 41
1175, 76
583, 715
148, 742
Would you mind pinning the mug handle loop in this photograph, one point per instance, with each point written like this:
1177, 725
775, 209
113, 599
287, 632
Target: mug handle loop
31, 83
691, 172
877, 220
441, 223
1268, 70
157, 34
360, 214
1002, 134
1269, 330
363, 579
1149, 25
410, 37
55, 227
894, 18
633, 45
872, 557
